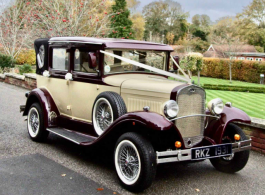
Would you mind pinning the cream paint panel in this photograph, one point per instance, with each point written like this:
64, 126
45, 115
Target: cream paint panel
117, 80
136, 102
83, 96
151, 85
59, 90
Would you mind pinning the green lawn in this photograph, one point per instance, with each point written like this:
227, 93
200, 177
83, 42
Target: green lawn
252, 103
214, 81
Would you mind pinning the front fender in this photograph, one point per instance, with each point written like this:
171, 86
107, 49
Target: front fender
141, 122
49, 108
216, 128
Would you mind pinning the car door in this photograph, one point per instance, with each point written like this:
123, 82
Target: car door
56, 84
85, 84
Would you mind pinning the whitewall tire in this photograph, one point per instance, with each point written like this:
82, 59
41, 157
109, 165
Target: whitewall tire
35, 123
135, 161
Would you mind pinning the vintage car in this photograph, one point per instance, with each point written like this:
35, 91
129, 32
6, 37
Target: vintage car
126, 95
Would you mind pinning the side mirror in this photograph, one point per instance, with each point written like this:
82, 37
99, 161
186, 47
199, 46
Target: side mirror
92, 60
176, 58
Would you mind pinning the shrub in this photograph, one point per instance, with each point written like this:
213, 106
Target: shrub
6, 62
242, 70
193, 62
26, 57
25, 68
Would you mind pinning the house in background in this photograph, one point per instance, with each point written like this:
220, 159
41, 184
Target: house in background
260, 57
240, 52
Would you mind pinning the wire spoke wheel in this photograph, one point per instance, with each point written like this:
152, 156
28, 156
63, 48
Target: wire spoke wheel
102, 115
33, 122
128, 163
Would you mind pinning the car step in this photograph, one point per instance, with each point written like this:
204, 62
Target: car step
73, 136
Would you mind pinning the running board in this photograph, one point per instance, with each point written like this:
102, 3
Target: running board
72, 136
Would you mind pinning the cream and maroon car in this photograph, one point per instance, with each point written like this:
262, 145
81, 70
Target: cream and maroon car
123, 95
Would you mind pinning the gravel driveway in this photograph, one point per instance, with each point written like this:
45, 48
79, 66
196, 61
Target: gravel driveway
61, 167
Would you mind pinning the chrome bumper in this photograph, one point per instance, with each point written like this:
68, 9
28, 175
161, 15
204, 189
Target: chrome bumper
185, 155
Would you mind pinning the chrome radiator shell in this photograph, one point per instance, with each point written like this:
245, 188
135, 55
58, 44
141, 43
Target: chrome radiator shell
191, 101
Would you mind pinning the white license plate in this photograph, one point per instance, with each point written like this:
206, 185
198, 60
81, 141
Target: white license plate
211, 151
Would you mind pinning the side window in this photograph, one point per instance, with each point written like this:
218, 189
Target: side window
81, 62
60, 59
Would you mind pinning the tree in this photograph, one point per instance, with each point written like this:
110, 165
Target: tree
165, 16
228, 45
132, 4
224, 25
17, 27
120, 22
155, 14
73, 18
200, 26
138, 25
251, 23
170, 38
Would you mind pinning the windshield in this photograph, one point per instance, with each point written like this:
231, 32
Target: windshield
151, 58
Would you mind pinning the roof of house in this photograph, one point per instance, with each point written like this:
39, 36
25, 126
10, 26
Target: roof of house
114, 43
221, 51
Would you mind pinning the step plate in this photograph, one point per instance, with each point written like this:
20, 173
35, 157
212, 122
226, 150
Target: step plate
73, 136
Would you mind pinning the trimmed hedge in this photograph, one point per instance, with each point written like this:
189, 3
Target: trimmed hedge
234, 88
242, 70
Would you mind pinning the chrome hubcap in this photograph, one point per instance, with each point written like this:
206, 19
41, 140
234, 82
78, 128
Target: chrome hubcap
128, 162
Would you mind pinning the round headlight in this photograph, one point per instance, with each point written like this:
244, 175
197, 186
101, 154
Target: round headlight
216, 106
171, 109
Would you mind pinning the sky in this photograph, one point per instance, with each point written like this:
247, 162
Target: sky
213, 8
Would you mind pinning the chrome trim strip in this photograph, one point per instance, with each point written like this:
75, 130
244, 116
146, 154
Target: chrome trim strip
217, 117
241, 146
63, 136
184, 155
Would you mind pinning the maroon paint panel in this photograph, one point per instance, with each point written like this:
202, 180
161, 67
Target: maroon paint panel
148, 120
216, 128
46, 102
173, 95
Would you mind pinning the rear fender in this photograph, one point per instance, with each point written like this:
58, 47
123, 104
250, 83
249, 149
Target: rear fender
49, 108
216, 128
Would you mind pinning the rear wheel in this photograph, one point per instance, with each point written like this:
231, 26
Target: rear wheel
36, 129
135, 161
236, 161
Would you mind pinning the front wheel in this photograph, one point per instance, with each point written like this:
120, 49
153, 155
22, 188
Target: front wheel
135, 161
236, 161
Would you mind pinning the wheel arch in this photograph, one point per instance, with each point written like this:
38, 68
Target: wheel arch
43, 97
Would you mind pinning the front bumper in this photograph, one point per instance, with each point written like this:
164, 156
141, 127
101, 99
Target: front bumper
185, 155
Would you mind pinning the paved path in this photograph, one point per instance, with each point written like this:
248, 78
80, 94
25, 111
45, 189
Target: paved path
27, 167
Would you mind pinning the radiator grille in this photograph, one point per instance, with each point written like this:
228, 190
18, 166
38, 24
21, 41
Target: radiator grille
191, 100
